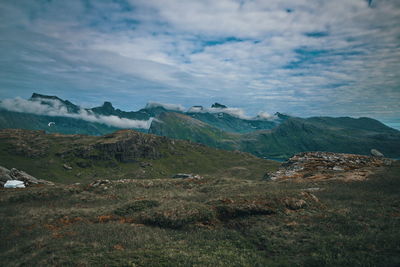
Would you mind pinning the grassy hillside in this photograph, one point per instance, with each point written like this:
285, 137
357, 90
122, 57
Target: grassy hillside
180, 126
343, 135
211, 222
229, 123
123, 154
294, 135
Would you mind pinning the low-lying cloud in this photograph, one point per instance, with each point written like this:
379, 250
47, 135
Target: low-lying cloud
174, 107
55, 108
265, 116
235, 112
52, 107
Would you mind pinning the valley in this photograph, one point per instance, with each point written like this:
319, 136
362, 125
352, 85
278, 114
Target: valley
279, 136
195, 189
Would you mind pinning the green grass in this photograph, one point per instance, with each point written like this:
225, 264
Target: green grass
138, 205
43, 156
216, 221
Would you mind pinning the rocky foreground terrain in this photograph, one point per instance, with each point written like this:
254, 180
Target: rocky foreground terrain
317, 166
131, 199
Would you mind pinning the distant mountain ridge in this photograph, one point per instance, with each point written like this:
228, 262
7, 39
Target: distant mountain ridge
279, 136
293, 135
218, 115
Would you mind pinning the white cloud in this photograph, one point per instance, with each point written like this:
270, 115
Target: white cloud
53, 107
235, 112
252, 54
265, 116
165, 105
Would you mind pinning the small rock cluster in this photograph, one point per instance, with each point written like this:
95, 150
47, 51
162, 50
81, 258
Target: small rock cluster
187, 176
100, 183
327, 165
17, 175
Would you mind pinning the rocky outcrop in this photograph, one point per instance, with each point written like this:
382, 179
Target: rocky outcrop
14, 174
310, 166
124, 146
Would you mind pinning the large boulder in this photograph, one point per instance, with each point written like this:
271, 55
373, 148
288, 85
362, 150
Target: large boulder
4, 175
14, 174
376, 153
14, 184
23, 176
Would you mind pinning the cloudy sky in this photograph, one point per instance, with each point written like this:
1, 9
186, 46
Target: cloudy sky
303, 57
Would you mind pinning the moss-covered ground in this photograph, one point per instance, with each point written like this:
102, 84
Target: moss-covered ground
215, 221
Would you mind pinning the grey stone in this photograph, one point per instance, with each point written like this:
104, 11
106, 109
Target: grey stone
23, 176
312, 189
4, 175
187, 176
338, 168
98, 183
67, 167
145, 164
182, 175
295, 204
14, 174
376, 153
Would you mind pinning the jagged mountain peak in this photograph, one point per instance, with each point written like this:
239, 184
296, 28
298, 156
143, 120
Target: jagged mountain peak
282, 116
40, 96
218, 105
108, 105
106, 109
72, 108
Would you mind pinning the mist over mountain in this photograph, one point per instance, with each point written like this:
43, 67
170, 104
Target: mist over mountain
40, 104
276, 136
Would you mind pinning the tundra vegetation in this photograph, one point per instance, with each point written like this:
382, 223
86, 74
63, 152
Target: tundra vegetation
227, 215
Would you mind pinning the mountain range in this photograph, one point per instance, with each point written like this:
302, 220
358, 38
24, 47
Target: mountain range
278, 136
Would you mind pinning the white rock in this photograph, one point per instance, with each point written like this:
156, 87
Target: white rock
14, 184
337, 168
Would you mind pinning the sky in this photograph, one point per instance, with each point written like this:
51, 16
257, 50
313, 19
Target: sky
303, 57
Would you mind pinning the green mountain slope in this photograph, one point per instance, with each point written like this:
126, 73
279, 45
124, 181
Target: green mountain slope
229, 123
346, 135
123, 154
180, 126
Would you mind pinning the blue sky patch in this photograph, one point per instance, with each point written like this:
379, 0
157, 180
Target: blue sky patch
337, 58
